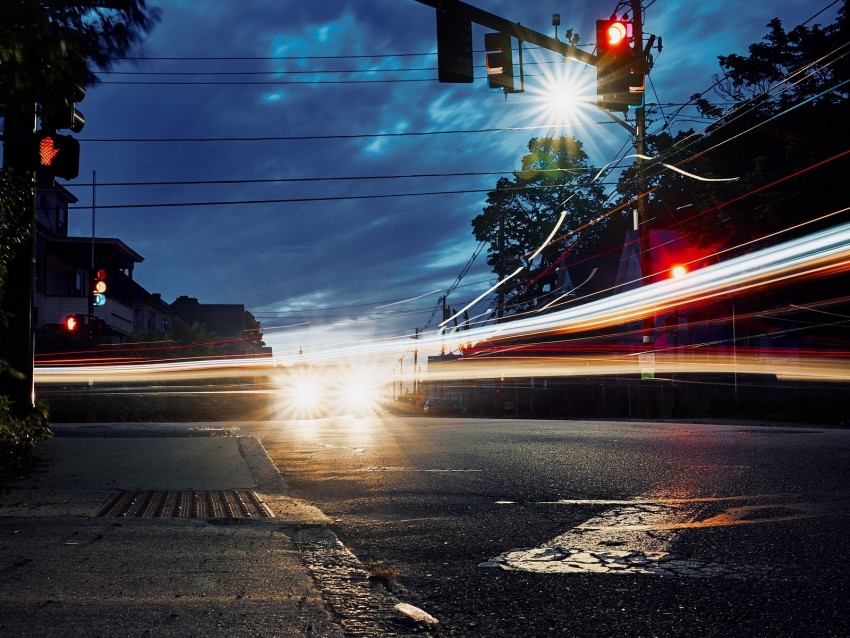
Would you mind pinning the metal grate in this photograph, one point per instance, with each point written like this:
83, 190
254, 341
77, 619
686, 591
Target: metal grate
186, 504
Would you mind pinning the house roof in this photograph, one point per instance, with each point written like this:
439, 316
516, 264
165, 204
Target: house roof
109, 252
141, 295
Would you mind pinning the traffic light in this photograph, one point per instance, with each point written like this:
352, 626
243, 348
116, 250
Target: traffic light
500, 61
56, 155
620, 70
74, 323
613, 37
60, 111
454, 49
98, 288
678, 271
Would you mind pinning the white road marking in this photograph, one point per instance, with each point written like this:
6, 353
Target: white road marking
635, 536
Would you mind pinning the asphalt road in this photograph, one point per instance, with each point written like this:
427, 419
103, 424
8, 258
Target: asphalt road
578, 528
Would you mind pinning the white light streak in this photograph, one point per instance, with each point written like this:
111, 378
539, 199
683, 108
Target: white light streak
818, 254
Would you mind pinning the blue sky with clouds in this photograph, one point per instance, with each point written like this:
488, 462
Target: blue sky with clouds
339, 81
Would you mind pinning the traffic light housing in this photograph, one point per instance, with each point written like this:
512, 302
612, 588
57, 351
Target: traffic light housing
56, 155
74, 323
454, 49
500, 61
98, 288
60, 110
620, 73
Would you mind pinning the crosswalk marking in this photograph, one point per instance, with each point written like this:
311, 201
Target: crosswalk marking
635, 536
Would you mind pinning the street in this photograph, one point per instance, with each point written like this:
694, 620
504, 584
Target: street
581, 528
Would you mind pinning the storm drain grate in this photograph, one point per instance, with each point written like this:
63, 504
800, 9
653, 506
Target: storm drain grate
186, 504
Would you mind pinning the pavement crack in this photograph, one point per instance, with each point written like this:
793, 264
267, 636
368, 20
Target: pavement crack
363, 606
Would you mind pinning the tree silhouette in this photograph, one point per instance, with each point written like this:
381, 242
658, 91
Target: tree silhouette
522, 212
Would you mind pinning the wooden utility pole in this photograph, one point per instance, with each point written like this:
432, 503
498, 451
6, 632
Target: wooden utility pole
640, 125
17, 348
648, 354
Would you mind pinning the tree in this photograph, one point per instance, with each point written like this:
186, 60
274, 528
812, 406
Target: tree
796, 82
777, 124
522, 212
779, 128
47, 47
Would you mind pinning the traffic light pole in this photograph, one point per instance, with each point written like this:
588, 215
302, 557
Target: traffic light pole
18, 345
642, 229
568, 49
640, 125
521, 33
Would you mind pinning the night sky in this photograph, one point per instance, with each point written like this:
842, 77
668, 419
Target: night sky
328, 230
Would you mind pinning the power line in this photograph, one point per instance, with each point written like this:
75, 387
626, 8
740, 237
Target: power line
273, 57
271, 83
338, 136
299, 58
301, 200
283, 180
311, 72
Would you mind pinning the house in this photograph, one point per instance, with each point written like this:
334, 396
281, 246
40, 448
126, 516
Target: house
65, 267
151, 314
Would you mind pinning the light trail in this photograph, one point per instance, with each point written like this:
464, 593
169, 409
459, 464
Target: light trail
816, 255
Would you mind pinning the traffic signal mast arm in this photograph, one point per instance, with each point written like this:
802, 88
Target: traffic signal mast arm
492, 21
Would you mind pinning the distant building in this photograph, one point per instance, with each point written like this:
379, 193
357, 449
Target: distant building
151, 314
230, 323
64, 267
64, 272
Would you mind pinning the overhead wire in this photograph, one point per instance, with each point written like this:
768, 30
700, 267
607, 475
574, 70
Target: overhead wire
280, 180
299, 200
788, 78
337, 137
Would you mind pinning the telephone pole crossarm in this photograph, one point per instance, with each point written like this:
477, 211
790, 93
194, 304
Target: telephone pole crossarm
492, 21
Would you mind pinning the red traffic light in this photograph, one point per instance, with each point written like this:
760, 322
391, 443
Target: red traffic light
613, 37
47, 151
620, 68
72, 323
616, 33
678, 271
57, 155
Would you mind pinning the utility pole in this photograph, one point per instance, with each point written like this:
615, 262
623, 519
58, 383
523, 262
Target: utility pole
640, 125
18, 345
500, 303
642, 228
416, 363
621, 77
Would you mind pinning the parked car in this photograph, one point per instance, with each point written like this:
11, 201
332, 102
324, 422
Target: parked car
438, 407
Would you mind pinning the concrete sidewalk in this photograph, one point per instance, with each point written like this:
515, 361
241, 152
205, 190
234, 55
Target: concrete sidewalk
66, 571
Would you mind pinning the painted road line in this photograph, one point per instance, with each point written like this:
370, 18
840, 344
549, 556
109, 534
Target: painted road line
635, 536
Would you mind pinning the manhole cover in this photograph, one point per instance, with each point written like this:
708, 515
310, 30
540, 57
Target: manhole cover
186, 504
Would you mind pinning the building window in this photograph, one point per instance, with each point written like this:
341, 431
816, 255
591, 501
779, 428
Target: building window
62, 221
166, 325
81, 282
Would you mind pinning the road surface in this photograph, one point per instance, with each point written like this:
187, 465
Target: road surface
581, 528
